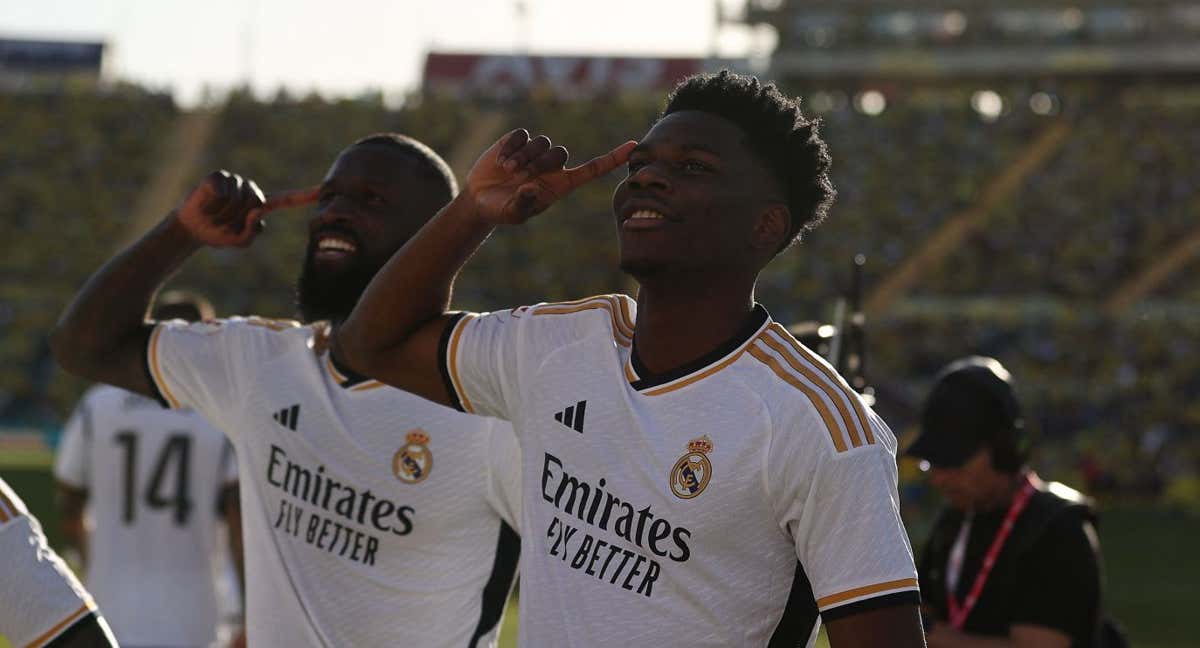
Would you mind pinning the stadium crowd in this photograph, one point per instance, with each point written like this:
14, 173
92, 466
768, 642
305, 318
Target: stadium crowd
1024, 287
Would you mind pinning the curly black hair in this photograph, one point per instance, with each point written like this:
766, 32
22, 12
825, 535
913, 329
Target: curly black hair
777, 132
429, 162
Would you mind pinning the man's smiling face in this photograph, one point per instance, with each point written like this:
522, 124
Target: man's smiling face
373, 199
692, 197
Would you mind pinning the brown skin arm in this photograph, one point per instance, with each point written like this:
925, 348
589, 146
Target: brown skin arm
394, 332
71, 502
231, 509
1019, 636
103, 332
898, 626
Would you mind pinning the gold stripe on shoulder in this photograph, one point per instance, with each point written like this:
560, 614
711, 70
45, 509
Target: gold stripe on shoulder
566, 308
452, 361
338, 377
620, 316
573, 302
50, 634
622, 335
813, 397
618, 320
866, 590
273, 323
626, 315
630, 374
7, 510
813, 377
367, 386
837, 381
9, 504
156, 373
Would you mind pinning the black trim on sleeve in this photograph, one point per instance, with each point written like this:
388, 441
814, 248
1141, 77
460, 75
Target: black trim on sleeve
443, 359
499, 585
647, 379
86, 631
799, 614
157, 395
352, 377
910, 597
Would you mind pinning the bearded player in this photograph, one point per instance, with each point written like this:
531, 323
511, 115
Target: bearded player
370, 516
692, 474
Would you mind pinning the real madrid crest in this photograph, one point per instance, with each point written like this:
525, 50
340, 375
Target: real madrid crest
413, 461
693, 470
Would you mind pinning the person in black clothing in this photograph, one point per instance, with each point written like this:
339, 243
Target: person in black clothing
1043, 587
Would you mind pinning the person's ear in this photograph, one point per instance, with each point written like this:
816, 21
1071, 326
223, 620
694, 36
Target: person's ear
772, 228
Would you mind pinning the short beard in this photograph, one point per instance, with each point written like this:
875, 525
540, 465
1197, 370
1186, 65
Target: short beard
330, 295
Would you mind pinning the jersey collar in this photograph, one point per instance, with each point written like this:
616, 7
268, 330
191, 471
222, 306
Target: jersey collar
345, 377
643, 380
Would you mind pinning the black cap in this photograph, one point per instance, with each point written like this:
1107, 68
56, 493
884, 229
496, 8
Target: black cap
972, 403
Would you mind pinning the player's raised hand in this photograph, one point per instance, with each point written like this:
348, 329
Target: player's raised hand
227, 210
519, 177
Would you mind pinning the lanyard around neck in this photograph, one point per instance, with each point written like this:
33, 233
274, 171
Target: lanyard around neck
960, 611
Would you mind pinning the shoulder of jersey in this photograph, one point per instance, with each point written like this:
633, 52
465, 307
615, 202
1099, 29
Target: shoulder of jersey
266, 326
102, 393
615, 313
107, 399
275, 325
263, 334
803, 385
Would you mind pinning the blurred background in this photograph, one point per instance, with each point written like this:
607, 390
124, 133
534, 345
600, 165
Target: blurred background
1020, 176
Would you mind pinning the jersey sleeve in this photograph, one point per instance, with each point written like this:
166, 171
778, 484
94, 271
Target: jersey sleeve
486, 358
40, 598
481, 361
189, 364
70, 463
841, 509
504, 484
202, 365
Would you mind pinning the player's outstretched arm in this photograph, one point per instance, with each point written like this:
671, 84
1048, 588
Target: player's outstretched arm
896, 627
102, 334
394, 332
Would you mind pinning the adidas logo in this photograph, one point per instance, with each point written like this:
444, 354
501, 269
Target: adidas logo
572, 417
288, 417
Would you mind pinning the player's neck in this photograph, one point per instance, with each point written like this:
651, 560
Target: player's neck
679, 323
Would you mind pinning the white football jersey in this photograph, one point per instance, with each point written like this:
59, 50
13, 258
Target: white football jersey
40, 598
370, 516
726, 504
154, 478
